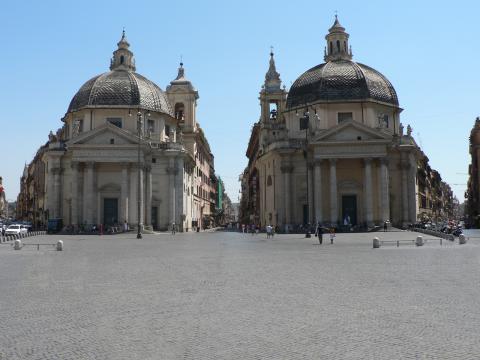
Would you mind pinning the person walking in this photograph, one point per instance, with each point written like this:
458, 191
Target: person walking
385, 226
319, 233
174, 228
332, 235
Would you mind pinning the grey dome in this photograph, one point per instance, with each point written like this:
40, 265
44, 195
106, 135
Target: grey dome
121, 88
341, 80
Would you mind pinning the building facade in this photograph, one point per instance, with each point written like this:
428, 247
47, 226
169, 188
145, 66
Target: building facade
472, 195
127, 152
332, 149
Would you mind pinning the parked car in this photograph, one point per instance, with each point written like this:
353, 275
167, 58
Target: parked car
28, 227
15, 229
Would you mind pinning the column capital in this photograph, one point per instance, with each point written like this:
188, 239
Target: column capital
404, 164
383, 161
286, 168
75, 165
333, 161
172, 170
318, 162
56, 171
90, 165
367, 161
125, 164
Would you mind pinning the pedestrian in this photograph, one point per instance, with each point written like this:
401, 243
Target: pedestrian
319, 233
332, 235
125, 226
269, 231
174, 228
385, 226
243, 228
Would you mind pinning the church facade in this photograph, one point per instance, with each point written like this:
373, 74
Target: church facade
129, 152
332, 149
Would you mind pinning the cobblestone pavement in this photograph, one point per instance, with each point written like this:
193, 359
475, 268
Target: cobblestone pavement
234, 296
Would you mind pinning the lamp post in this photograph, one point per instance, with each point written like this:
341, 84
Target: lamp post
304, 124
139, 129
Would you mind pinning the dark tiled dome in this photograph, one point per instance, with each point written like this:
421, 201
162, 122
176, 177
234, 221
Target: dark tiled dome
121, 88
341, 80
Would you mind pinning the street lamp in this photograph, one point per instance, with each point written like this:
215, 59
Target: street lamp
139, 129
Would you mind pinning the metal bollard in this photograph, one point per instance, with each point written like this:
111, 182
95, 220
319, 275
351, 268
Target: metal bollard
462, 239
419, 241
376, 243
59, 245
17, 245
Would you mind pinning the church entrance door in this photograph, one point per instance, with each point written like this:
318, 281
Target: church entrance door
110, 211
349, 209
154, 217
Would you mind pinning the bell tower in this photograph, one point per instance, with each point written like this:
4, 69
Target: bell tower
272, 96
123, 57
337, 43
183, 96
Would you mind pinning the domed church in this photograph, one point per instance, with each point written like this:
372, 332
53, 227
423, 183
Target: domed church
129, 152
332, 149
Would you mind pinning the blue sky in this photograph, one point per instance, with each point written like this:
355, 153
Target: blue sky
429, 50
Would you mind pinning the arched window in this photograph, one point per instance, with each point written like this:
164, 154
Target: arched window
331, 47
273, 110
122, 59
345, 46
179, 111
338, 45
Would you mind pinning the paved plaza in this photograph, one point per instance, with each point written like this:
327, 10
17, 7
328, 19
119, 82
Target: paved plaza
234, 296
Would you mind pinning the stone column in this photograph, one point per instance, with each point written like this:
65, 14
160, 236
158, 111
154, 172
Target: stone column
141, 189
50, 190
310, 193
412, 189
318, 191
333, 191
384, 190
124, 195
74, 194
90, 193
172, 172
57, 191
148, 202
404, 168
132, 199
368, 191
287, 171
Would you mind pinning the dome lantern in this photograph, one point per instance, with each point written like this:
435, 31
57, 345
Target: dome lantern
337, 43
123, 57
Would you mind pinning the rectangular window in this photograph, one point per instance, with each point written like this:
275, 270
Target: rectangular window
385, 121
345, 116
115, 121
151, 126
167, 130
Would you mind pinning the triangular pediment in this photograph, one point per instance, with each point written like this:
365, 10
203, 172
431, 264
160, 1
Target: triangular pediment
352, 131
103, 135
